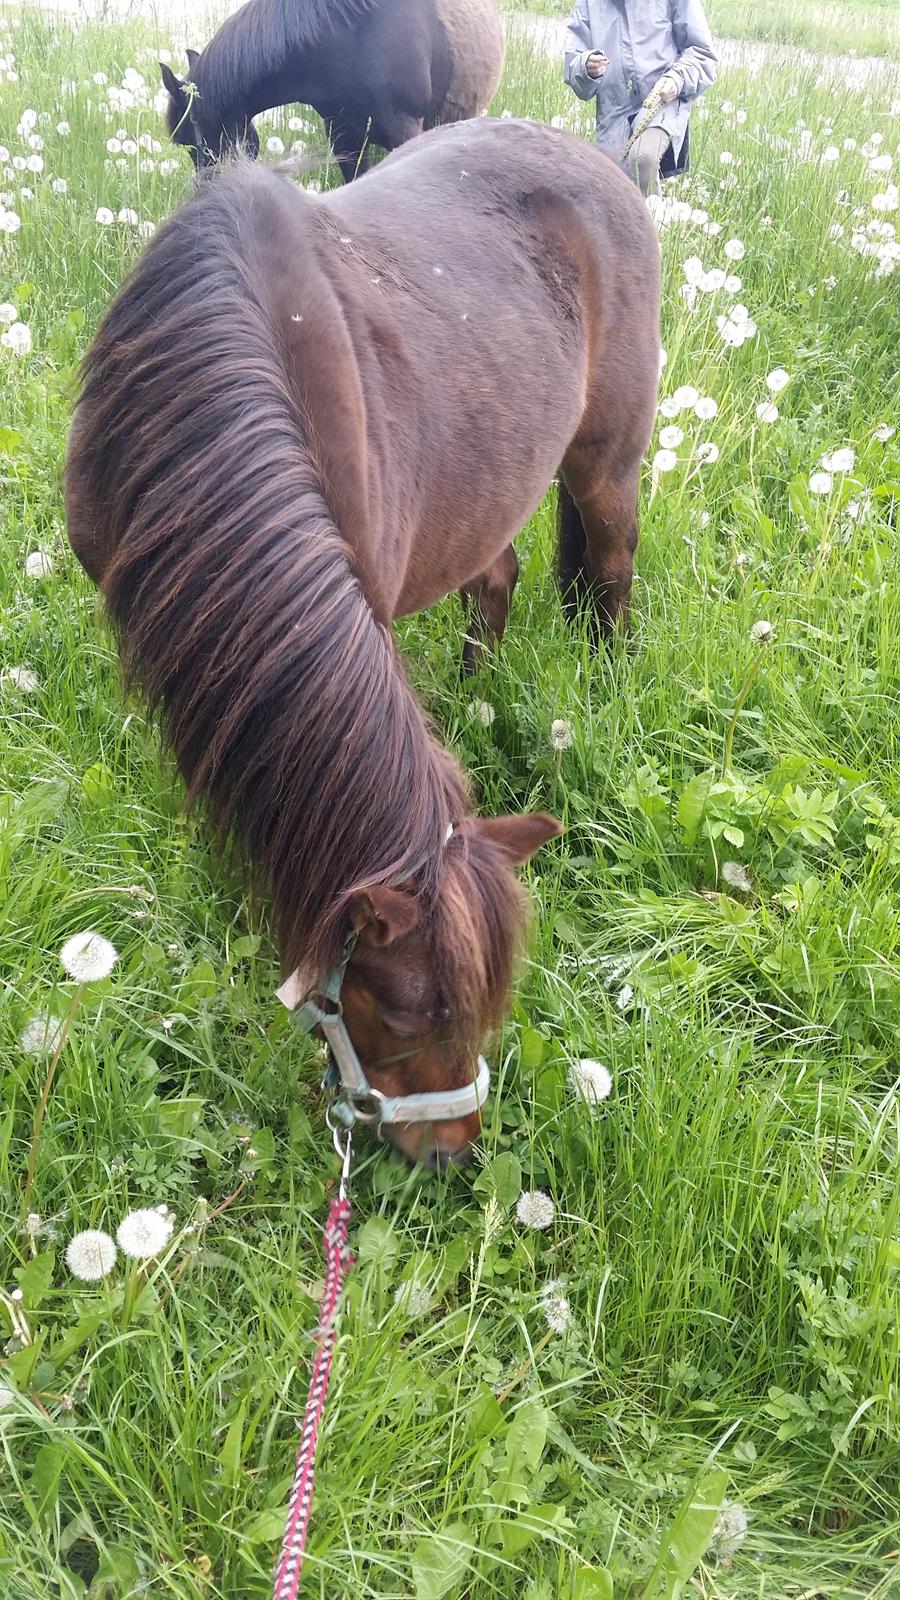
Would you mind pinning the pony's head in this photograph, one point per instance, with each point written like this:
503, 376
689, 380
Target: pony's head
427, 982
207, 139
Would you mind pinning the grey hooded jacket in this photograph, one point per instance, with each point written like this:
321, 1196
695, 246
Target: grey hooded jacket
643, 39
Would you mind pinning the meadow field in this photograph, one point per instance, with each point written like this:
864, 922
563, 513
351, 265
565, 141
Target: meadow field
648, 1343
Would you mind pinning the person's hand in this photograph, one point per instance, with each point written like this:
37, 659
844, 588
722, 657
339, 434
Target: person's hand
597, 64
668, 88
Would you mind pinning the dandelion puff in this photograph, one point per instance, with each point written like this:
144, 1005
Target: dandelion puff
706, 408
884, 432
41, 1034
8, 313
485, 712
91, 1255
665, 461
767, 411
762, 633
556, 1308
38, 564
734, 250
21, 678
671, 437
104, 216
592, 1080
686, 396
669, 407
143, 1234
562, 735
735, 874
128, 216
60, 185
839, 460
10, 221
88, 957
17, 339
729, 1530
275, 146
708, 452
821, 483
63, 129
535, 1209
413, 1298
777, 380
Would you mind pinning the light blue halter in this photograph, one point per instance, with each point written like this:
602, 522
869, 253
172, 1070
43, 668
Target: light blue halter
355, 1100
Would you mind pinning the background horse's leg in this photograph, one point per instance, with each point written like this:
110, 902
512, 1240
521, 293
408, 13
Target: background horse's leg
598, 535
350, 146
486, 602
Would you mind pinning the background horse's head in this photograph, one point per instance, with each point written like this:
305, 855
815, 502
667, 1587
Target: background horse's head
193, 125
429, 978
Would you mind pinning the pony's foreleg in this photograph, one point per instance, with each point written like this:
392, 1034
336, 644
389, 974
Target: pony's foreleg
486, 602
598, 536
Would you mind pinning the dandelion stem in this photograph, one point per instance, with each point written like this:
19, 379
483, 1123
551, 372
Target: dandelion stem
741, 700
45, 1096
522, 1371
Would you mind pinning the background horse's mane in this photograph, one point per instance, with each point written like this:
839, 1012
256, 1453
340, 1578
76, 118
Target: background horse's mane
241, 614
257, 38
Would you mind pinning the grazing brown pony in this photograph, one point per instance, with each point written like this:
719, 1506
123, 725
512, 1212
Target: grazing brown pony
377, 71
304, 416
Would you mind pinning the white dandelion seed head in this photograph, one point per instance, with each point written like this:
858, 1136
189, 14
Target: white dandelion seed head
839, 460
128, 216
8, 313
733, 284
104, 216
762, 633
562, 734
735, 874
830, 154
10, 222
143, 1234
729, 1530
693, 269
777, 380
40, 1035
63, 129
708, 452
669, 407
274, 145
591, 1079
17, 339
38, 564
535, 1209
413, 1298
726, 158
706, 408
686, 396
59, 185
91, 1255
665, 461
88, 957
34, 164
734, 250
34, 1225
884, 432
670, 438
767, 411
21, 678
485, 713
557, 1311
821, 483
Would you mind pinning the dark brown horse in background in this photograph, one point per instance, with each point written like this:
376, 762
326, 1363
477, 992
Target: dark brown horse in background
377, 71
304, 416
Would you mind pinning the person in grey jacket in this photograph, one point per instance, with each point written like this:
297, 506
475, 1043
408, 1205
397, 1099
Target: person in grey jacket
617, 51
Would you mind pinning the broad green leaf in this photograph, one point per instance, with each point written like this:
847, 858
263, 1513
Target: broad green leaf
440, 1561
74, 1337
118, 1575
179, 1116
35, 1278
592, 1583
247, 945
526, 1439
501, 1180
532, 1049
23, 1362
98, 783
692, 804
530, 1526
45, 1476
266, 1527
378, 1242
10, 441
230, 1455
686, 1540
486, 1418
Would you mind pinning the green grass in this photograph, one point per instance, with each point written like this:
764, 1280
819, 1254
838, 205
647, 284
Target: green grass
727, 1224
854, 27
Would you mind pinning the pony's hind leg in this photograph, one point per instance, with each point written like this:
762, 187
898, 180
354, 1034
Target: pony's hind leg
598, 535
486, 602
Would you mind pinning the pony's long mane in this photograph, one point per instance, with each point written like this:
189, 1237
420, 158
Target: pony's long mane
256, 40
239, 610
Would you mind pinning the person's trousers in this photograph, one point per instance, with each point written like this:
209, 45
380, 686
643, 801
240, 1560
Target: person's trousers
643, 159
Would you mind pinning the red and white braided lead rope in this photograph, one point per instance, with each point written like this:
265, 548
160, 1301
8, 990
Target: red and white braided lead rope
338, 1262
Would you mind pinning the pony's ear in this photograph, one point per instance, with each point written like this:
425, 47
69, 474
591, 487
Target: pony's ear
519, 836
380, 915
170, 82
193, 56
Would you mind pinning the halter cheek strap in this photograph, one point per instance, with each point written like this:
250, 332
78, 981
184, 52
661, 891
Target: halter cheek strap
355, 1100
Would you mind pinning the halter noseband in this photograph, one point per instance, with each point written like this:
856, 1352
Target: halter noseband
353, 1097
